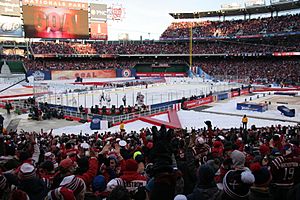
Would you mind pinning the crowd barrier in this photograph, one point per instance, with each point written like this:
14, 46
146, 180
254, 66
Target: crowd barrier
198, 102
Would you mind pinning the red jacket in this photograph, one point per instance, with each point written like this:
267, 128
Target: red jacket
91, 173
133, 180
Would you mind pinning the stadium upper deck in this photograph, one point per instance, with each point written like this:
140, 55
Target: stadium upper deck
274, 7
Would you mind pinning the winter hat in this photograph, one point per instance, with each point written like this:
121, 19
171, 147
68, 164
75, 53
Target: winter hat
66, 163
61, 193
99, 184
237, 183
122, 143
199, 141
264, 149
114, 183
180, 197
217, 144
47, 165
136, 154
238, 159
85, 145
131, 165
149, 137
261, 174
275, 152
27, 171
206, 175
150, 145
3, 182
74, 183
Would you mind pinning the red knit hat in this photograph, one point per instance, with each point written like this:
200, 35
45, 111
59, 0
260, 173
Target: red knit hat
150, 145
264, 149
217, 144
61, 193
131, 165
27, 171
66, 163
262, 174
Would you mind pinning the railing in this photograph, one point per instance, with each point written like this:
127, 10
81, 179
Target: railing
118, 118
111, 119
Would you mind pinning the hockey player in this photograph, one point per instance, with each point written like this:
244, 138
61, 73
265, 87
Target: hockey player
124, 100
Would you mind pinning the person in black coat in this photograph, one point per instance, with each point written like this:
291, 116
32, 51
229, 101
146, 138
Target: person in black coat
206, 188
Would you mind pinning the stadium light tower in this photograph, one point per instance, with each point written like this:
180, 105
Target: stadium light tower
191, 46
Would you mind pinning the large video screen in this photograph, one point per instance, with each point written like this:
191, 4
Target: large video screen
45, 22
10, 7
10, 26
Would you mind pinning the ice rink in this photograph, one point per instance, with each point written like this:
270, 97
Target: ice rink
223, 114
173, 89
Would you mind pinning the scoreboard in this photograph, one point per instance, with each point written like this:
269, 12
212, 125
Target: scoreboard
57, 19
46, 22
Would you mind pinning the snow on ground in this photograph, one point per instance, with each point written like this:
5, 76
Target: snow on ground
229, 107
85, 128
188, 119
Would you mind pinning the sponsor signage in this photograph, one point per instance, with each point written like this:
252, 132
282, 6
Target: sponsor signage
98, 12
43, 22
198, 102
286, 54
10, 7
38, 76
10, 26
99, 31
252, 107
115, 12
57, 4
73, 74
254, 3
160, 74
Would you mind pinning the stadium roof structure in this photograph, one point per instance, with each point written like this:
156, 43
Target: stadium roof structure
282, 6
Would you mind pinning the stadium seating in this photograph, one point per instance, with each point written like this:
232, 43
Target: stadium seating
281, 24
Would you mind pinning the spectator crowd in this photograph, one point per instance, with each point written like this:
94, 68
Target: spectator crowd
155, 164
269, 25
160, 47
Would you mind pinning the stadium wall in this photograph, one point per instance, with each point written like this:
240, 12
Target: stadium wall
73, 74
